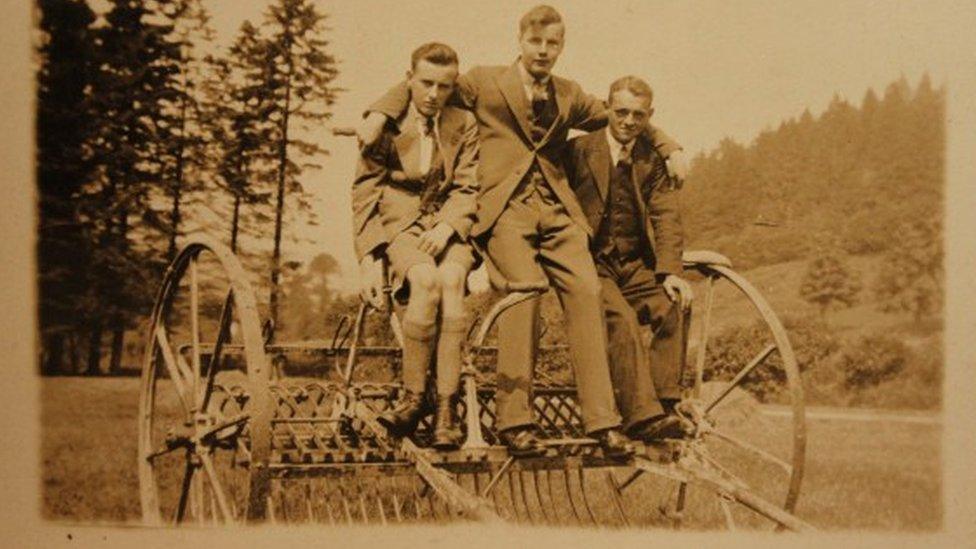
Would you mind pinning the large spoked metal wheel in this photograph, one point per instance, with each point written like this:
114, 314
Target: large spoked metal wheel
205, 408
746, 399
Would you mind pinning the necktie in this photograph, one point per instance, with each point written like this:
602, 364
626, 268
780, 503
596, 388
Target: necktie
540, 94
623, 157
428, 144
434, 171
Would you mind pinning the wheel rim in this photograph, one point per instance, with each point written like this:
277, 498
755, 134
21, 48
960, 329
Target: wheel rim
779, 446
204, 437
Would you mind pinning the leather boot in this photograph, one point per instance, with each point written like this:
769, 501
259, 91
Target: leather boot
402, 419
447, 435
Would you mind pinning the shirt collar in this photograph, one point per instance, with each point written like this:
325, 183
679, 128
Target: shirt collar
528, 80
418, 120
616, 147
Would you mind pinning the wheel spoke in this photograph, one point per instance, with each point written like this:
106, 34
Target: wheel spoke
184, 492
735, 441
215, 486
752, 365
223, 330
703, 335
172, 367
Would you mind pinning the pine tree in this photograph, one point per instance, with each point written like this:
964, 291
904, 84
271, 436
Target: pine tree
241, 128
912, 275
63, 166
302, 93
829, 283
134, 92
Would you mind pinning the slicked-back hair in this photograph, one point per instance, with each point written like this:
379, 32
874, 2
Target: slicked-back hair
632, 84
539, 17
435, 53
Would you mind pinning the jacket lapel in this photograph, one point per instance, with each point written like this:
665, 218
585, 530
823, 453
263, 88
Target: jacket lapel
562, 92
510, 85
598, 157
450, 139
641, 156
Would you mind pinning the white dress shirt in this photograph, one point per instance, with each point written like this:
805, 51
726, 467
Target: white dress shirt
529, 82
426, 139
618, 150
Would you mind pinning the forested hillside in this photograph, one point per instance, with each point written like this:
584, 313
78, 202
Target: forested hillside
849, 178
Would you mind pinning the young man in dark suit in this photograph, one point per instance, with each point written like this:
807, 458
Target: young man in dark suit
414, 202
530, 225
631, 205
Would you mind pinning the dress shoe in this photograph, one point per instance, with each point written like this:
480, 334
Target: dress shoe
402, 419
659, 428
616, 445
522, 442
447, 435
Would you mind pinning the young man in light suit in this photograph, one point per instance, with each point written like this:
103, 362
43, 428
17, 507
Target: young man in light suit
631, 205
414, 203
530, 224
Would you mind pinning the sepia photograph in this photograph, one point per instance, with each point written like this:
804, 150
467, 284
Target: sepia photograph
578, 271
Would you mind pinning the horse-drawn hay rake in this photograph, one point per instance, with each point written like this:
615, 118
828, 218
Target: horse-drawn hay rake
225, 436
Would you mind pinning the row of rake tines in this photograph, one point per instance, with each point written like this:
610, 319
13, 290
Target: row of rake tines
551, 496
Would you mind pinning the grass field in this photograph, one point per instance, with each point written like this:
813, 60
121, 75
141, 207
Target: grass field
883, 475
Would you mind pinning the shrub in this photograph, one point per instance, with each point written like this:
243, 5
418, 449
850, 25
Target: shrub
873, 359
730, 350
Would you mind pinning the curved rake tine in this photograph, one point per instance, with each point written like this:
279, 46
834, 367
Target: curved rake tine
538, 496
752, 365
511, 496
552, 497
617, 497
416, 500
379, 505
395, 499
679, 504
729, 520
308, 504
569, 496
328, 510
362, 500
754, 449
525, 498
586, 500
345, 503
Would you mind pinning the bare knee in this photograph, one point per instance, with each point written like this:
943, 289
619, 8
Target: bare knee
425, 285
451, 278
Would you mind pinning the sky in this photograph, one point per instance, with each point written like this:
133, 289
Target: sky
718, 68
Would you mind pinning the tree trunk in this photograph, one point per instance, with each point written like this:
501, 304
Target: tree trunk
175, 215
280, 206
118, 344
235, 220
53, 358
174, 220
94, 349
73, 353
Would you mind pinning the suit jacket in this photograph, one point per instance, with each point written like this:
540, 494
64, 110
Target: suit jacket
497, 98
589, 167
384, 207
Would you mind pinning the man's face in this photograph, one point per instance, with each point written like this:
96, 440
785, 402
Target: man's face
540, 48
430, 86
628, 115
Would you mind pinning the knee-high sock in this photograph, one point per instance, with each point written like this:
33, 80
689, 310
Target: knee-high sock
453, 330
418, 339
